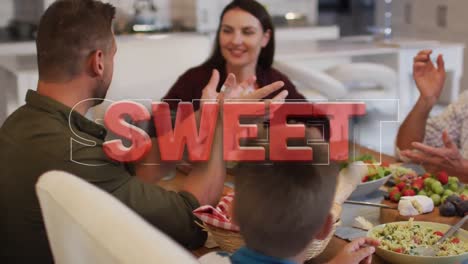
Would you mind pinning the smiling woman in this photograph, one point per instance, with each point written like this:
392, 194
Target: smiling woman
241, 40
244, 46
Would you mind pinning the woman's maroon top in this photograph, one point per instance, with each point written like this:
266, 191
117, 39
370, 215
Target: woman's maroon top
189, 86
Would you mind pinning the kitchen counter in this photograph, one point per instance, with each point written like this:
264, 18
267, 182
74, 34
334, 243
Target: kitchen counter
11, 48
287, 33
311, 49
19, 63
17, 48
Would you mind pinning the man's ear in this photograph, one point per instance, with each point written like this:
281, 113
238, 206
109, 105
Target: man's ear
266, 38
326, 228
96, 63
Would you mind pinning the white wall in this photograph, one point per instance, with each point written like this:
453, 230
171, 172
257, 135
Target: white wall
6, 12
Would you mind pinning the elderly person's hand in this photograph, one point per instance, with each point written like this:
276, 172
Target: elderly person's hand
429, 78
449, 155
446, 158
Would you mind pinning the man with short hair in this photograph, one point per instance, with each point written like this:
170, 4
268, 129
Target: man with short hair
75, 52
286, 220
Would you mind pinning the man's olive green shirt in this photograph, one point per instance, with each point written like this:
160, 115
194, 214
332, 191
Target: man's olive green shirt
45, 135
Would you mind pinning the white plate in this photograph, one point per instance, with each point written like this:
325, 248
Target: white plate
366, 188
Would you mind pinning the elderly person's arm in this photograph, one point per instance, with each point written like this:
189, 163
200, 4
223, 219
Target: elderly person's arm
430, 81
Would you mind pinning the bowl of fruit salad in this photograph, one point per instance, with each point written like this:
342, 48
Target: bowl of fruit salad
377, 175
445, 191
398, 241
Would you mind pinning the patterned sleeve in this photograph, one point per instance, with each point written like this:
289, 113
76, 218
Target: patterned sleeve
451, 119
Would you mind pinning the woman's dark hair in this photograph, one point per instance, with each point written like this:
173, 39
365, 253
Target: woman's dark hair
254, 8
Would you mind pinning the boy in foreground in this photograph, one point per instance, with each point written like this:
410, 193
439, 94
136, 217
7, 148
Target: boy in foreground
280, 209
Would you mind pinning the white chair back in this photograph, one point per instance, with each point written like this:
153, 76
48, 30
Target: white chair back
309, 79
373, 82
87, 225
366, 76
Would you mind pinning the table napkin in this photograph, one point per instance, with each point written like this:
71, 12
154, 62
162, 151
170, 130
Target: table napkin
218, 216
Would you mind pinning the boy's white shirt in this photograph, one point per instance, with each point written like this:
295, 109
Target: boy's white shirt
215, 258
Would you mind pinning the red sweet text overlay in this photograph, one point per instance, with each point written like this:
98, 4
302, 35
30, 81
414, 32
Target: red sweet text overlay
198, 139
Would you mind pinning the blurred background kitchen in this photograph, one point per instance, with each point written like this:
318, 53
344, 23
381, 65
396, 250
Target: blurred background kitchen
19, 18
331, 49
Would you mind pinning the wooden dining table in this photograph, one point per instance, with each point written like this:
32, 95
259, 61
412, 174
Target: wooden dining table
336, 244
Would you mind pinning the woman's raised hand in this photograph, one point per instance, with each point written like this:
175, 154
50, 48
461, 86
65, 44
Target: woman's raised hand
233, 90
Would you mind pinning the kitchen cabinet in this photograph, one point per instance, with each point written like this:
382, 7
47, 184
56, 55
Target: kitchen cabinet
443, 20
203, 15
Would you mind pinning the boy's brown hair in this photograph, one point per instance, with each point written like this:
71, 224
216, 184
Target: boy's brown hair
69, 31
281, 207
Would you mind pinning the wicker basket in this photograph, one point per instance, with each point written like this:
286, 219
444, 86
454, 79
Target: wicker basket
318, 246
231, 241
